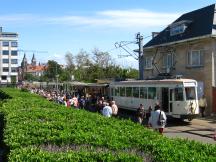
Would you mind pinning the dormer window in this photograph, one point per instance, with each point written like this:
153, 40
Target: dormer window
178, 27
177, 30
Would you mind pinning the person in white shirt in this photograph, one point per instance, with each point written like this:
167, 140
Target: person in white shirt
107, 110
157, 119
114, 108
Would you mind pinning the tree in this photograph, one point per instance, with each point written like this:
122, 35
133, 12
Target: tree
70, 69
53, 70
103, 59
69, 61
132, 73
30, 77
83, 59
83, 62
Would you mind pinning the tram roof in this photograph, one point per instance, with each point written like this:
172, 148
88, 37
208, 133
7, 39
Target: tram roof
87, 84
163, 81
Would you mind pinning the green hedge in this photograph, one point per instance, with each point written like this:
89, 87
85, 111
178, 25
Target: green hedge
34, 126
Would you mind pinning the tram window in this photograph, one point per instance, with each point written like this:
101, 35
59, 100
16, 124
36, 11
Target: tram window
128, 91
151, 93
112, 91
122, 91
136, 92
179, 94
143, 92
117, 91
190, 93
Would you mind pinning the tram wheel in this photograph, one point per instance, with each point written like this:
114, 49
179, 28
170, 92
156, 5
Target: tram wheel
190, 119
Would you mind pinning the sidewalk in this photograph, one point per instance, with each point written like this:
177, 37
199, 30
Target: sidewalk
208, 121
208, 118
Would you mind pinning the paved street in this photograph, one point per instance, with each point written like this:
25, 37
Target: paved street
198, 129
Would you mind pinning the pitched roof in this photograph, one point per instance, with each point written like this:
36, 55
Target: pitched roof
199, 23
37, 68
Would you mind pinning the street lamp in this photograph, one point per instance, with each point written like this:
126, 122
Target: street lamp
57, 82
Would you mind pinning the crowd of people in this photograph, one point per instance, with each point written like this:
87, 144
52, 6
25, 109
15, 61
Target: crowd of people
156, 119
93, 103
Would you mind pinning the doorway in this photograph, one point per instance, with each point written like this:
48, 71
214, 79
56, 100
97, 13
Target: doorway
165, 99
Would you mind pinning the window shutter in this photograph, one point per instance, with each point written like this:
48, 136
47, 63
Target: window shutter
144, 62
188, 58
151, 62
165, 60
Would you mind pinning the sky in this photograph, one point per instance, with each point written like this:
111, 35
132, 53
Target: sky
61, 26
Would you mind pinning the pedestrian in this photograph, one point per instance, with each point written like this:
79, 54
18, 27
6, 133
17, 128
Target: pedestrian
157, 119
148, 113
107, 110
202, 105
82, 102
140, 113
100, 104
75, 101
114, 108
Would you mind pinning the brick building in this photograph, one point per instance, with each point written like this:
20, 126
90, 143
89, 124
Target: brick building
187, 47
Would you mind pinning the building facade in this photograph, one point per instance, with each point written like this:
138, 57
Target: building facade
187, 47
30, 68
8, 57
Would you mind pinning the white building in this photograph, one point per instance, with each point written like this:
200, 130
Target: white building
8, 57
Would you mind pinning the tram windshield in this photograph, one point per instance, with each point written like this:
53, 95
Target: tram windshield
190, 93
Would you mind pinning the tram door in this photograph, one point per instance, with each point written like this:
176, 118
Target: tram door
165, 99
171, 99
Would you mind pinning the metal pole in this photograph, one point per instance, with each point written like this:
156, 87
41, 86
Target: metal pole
141, 59
57, 82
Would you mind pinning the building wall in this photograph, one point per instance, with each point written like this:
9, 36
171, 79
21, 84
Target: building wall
201, 74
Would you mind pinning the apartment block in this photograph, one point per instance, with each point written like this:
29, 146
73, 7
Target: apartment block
8, 57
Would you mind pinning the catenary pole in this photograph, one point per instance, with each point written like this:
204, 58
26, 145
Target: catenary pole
140, 57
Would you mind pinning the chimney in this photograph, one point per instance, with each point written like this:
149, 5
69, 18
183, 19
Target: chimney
154, 34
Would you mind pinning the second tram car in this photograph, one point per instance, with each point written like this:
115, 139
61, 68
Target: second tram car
177, 97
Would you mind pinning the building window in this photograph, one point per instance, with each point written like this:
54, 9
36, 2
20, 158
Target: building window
5, 52
148, 62
3, 77
5, 44
168, 60
5, 61
13, 53
14, 44
195, 58
5, 69
13, 69
14, 61
178, 29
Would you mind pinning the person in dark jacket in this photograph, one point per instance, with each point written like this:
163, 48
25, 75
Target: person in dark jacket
140, 113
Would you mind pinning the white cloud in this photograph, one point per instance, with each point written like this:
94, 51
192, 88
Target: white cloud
20, 19
108, 18
120, 19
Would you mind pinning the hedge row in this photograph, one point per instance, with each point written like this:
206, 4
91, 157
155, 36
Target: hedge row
39, 130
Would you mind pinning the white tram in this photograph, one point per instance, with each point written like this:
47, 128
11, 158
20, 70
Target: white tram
177, 97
